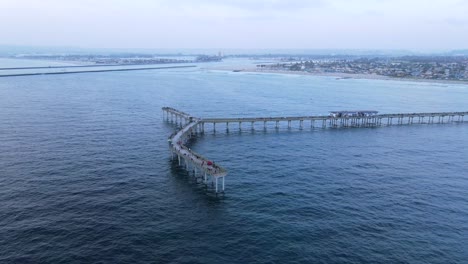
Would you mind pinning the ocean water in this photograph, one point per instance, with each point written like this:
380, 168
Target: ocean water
86, 177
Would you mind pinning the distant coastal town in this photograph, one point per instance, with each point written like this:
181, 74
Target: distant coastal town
408, 67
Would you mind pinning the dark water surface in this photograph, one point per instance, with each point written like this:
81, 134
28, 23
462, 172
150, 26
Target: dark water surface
85, 173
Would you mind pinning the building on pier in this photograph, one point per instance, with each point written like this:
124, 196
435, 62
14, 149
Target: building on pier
358, 113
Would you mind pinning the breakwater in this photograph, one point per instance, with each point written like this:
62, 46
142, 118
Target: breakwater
94, 71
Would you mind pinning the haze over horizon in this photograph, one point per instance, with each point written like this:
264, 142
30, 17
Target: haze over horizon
262, 24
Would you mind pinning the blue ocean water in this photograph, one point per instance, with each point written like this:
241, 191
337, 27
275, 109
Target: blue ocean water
85, 173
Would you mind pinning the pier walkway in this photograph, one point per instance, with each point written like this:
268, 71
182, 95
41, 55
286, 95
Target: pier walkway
189, 126
337, 122
193, 161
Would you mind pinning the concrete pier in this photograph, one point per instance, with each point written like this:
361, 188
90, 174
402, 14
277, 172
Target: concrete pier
210, 172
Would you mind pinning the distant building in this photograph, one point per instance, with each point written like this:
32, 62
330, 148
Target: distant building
206, 58
358, 113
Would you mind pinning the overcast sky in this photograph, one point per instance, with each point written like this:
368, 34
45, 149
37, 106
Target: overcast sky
313, 24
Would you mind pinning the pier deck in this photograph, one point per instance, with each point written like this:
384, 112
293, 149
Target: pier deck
348, 121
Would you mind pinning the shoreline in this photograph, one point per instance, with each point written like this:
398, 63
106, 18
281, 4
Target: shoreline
338, 76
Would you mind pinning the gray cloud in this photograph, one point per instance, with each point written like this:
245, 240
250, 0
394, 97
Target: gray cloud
456, 22
236, 23
256, 5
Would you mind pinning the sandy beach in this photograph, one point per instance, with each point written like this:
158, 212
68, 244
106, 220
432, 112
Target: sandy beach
250, 69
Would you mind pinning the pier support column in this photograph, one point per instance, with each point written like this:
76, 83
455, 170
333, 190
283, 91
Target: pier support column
216, 184
240, 126
300, 124
252, 125
227, 126
276, 126
289, 124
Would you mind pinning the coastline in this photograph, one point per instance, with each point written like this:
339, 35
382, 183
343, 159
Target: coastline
338, 76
